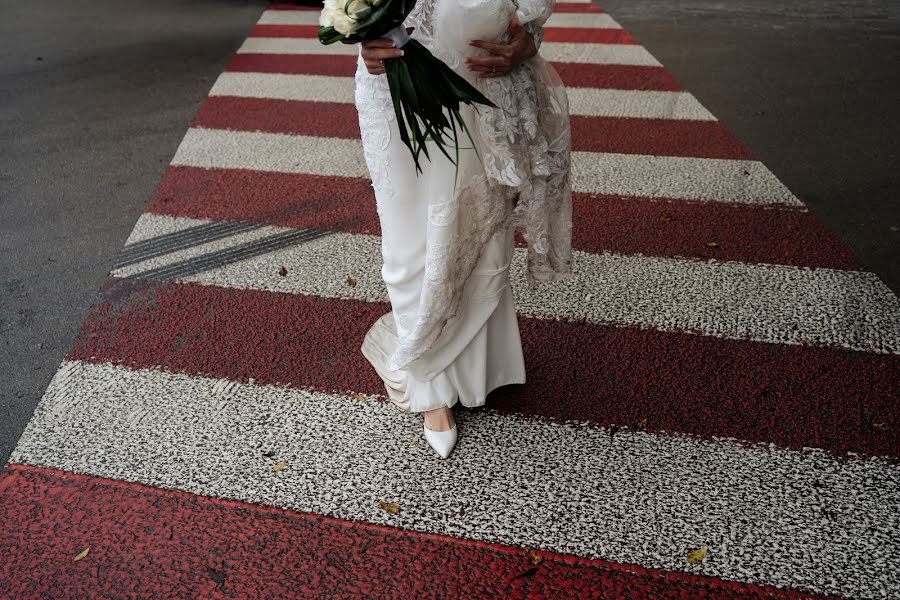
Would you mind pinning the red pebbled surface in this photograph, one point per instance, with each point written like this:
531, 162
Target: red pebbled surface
586, 35
323, 119
295, 64
621, 77
623, 225
660, 137
577, 7
793, 396
147, 542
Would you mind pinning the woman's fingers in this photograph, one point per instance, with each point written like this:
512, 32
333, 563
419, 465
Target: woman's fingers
489, 66
487, 61
490, 46
373, 54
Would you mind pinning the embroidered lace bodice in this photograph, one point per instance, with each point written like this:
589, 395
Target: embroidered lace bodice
522, 179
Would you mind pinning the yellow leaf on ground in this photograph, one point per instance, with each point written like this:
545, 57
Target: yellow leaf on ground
82, 554
534, 558
642, 423
696, 556
280, 466
712, 244
351, 281
391, 507
360, 397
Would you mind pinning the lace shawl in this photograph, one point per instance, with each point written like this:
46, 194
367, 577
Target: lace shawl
522, 179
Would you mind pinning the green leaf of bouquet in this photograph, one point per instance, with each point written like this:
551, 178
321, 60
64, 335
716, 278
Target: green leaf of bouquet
329, 35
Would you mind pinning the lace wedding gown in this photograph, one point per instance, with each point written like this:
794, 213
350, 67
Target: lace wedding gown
452, 332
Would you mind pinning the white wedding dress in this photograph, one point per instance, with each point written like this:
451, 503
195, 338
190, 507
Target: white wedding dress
452, 334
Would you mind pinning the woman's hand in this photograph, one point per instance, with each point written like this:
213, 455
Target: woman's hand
503, 58
375, 52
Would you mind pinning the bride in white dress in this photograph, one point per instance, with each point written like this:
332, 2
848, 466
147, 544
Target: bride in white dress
447, 233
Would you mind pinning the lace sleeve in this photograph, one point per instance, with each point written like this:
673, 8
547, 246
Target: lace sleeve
421, 19
532, 15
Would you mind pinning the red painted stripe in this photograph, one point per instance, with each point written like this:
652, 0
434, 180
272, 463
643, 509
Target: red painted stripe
624, 225
577, 7
289, 31
586, 35
151, 542
297, 64
621, 77
660, 137
551, 34
617, 77
284, 199
325, 119
790, 395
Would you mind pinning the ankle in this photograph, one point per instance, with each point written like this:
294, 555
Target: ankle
439, 419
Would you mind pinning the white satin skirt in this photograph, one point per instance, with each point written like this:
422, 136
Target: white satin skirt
479, 348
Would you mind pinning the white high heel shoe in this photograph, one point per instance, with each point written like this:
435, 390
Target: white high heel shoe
443, 442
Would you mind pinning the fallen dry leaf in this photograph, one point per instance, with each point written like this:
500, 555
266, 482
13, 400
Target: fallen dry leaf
696, 556
82, 554
282, 271
879, 426
461, 511
360, 397
351, 281
712, 244
642, 424
391, 507
667, 218
533, 557
280, 466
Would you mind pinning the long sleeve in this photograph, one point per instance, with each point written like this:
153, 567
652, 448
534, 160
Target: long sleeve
533, 14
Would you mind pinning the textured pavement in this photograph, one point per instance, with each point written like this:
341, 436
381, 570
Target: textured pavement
720, 374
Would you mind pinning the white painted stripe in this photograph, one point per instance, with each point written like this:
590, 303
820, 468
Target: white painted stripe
644, 104
218, 148
713, 179
599, 54
803, 520
686, 178
769, 303
582, 101
556, 20
614, 54
582, 20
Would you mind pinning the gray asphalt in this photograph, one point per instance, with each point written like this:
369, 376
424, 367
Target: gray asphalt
95, 99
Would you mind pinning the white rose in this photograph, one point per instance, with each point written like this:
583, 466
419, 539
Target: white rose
326, 17
358, 9
343, 24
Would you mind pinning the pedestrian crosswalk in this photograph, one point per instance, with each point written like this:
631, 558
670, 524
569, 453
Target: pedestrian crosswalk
720, 373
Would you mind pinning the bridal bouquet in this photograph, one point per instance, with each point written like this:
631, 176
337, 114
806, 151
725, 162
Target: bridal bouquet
426, 92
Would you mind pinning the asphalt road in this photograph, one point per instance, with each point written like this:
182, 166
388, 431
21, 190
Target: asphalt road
94, 101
